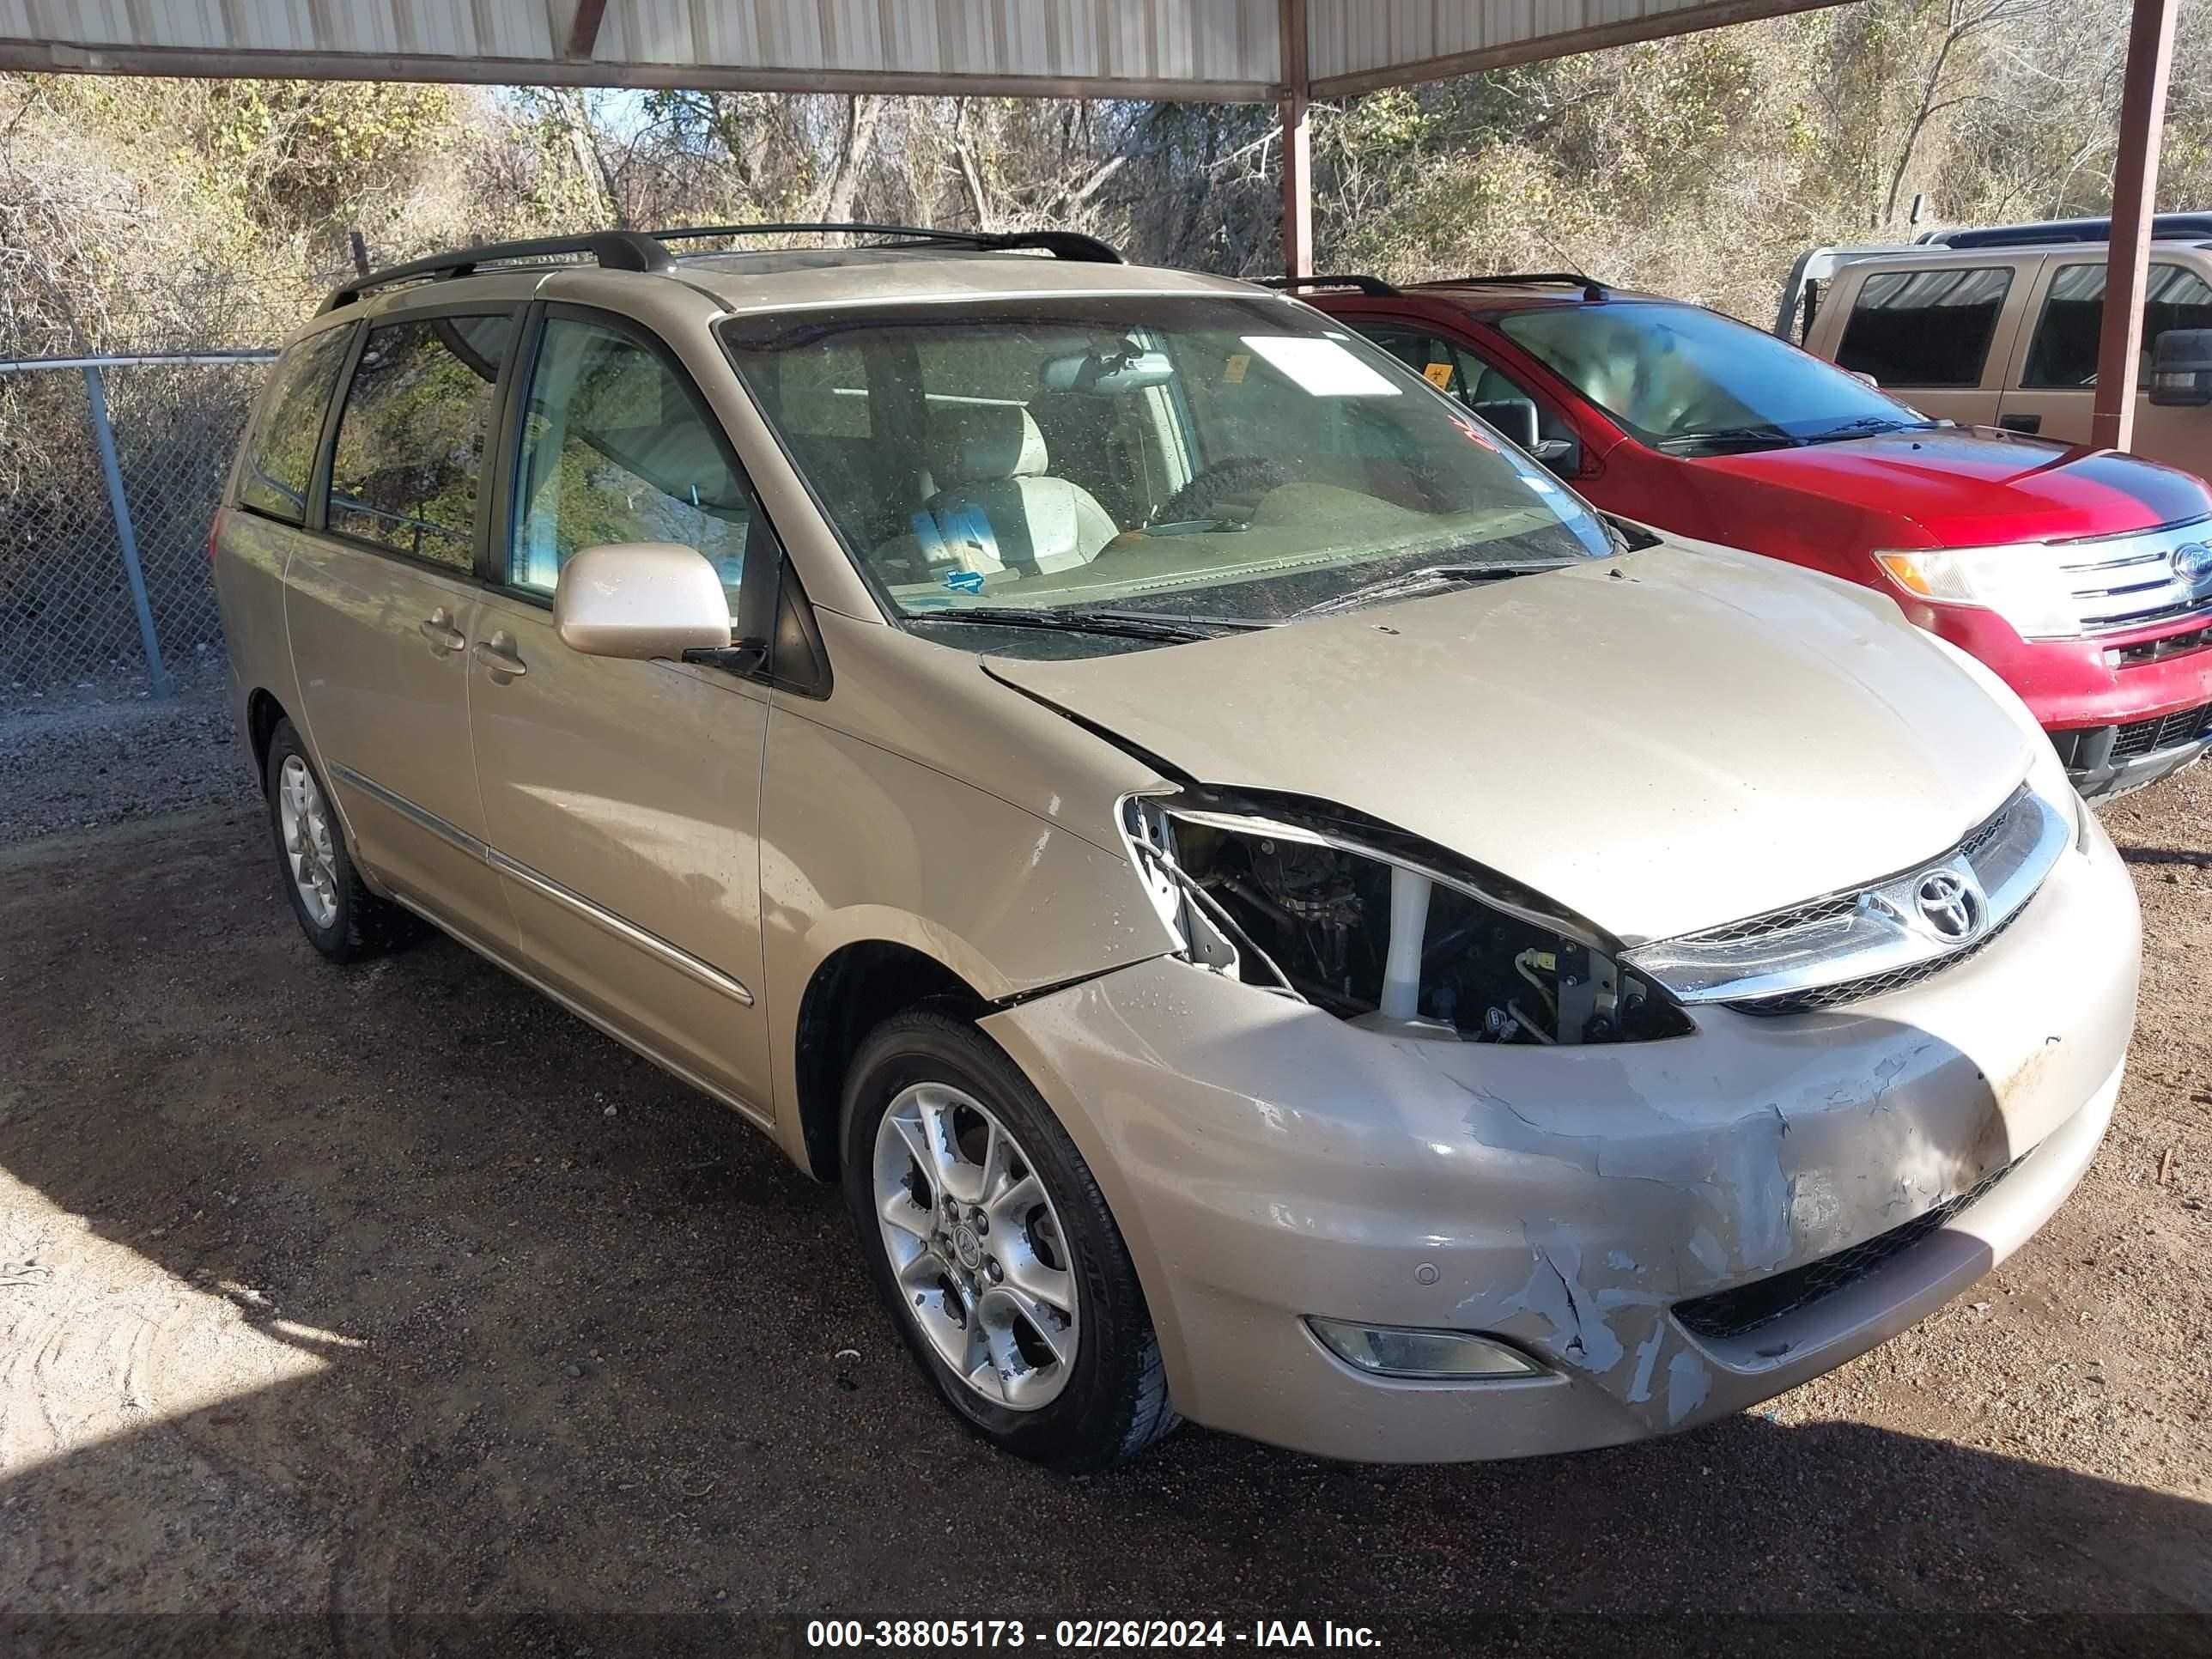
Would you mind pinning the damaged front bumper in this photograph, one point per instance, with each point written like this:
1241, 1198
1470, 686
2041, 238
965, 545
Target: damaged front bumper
1268, 1163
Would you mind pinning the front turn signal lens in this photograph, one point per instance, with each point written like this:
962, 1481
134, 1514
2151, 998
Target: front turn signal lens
1395, 1351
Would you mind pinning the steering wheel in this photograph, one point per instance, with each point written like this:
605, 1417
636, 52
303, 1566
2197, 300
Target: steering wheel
1239, 477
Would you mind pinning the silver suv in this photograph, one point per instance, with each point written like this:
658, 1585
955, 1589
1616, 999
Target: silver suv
1273, 911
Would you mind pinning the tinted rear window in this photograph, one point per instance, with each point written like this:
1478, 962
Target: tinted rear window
280, 455
410, 455
1924, 327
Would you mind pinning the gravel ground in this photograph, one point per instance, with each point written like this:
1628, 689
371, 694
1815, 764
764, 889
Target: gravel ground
101, 753
391, 1310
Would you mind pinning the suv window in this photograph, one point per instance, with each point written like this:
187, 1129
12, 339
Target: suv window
1427, 355
616, 447
1451, 368
280, 457
1928, 328
409, 453
2065, 349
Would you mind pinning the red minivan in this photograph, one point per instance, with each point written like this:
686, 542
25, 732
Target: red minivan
2083, 577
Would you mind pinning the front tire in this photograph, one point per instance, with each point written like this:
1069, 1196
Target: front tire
993, 1247
340, 916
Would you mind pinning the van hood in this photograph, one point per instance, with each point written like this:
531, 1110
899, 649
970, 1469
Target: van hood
1969, 486
1662, 741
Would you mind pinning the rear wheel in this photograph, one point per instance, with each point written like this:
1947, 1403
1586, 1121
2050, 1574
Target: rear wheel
340, 916
992, 1244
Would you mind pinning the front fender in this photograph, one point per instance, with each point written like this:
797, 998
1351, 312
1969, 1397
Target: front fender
859, 843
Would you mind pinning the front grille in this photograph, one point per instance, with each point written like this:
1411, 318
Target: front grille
1871, 985
1843, 947
2167, 731
1728, 1314
1832, 906
2129, 581
1987, 831
1783, 922
2164, 648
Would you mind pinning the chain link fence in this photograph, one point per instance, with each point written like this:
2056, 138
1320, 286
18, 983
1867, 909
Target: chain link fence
110, 471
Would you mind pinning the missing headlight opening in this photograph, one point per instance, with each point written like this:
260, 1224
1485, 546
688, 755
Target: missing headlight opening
1322, 905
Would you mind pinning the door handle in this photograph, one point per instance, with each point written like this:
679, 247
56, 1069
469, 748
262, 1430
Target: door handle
438, 628
2020, 422
498, 654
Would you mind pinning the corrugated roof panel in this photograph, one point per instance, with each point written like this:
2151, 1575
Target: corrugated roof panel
1356, 45
1197, 48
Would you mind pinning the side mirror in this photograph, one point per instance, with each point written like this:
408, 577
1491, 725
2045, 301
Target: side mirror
1514, 417
2181, 368
640, 599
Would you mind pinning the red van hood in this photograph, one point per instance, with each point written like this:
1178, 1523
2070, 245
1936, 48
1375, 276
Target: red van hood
1968, 486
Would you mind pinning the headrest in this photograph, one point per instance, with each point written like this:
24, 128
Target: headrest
979, 443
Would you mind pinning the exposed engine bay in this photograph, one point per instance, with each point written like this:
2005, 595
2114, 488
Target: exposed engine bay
1327, 907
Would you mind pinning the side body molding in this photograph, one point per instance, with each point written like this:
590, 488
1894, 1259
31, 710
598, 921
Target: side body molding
705, 972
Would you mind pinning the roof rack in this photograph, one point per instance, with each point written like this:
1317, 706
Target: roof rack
1060, 244
647, 250
2054, 233
614, 250
1591, 288
1374, 285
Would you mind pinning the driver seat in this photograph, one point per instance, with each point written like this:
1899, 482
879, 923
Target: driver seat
996, 508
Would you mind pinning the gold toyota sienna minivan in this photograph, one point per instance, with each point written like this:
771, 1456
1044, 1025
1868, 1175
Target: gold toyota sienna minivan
1273, 911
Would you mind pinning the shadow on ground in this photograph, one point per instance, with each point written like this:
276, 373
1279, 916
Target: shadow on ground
2182, 855
567, 1338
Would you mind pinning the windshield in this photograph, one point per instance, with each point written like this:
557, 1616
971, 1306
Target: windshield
1205, 460
1682, 377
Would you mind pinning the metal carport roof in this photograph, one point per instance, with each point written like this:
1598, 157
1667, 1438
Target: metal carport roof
1224, 51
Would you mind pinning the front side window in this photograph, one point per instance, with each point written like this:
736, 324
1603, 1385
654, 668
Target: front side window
2063, 353
1691, 381
409, 460
1429, 356
616, 447
1925, 328
280, 455
1451, 368
1200, 457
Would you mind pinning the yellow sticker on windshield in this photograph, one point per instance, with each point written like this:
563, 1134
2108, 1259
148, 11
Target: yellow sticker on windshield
1439, 376
1232, 372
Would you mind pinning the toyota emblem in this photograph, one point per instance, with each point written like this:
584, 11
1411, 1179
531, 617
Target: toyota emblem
1947, 905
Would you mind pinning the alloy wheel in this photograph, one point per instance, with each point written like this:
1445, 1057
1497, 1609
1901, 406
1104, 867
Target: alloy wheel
981, 1259
304, 822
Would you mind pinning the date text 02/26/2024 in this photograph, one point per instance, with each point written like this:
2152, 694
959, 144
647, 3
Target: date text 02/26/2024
1088, 1635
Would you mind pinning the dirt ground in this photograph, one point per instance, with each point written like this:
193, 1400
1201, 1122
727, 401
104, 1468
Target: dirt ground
391, 1310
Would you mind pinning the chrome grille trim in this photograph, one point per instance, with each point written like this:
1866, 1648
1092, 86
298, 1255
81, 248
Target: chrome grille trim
2128, 581
1875, 937
1871, 985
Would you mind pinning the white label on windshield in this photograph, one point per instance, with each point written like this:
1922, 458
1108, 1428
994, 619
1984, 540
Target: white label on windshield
1321, 367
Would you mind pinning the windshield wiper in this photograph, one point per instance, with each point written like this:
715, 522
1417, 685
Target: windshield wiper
1121, 624
1866, 424
1427, 580
1770, 436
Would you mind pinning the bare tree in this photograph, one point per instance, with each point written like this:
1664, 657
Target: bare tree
850, 162
1963, 21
